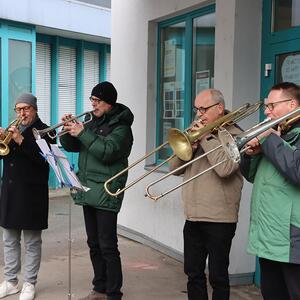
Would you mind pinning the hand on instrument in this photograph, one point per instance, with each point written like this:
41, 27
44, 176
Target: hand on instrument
252, 150
67, 117
74, 128
16, 135
196, 125
253, 147
2, 133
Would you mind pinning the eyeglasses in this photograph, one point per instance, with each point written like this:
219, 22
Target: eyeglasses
25, 109
93, 99
271, 106
202, 109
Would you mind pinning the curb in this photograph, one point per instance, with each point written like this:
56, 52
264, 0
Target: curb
55, 193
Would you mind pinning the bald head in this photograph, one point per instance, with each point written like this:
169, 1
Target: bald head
210, 104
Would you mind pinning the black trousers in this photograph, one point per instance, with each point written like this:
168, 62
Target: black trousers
101, 229
279, 280
212, 240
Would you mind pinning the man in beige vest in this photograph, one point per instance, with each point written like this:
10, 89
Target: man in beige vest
211, 205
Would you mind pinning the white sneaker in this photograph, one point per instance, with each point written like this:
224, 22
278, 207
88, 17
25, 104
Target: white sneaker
28, 291
7, 288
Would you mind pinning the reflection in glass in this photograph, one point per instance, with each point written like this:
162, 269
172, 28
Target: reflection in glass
288, 67
203, 53
19, 70
172, 81
286, 14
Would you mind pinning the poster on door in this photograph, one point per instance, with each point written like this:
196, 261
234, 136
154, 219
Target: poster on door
170, 58
173, 101
202, 81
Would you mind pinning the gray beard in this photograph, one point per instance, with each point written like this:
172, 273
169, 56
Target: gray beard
22, 128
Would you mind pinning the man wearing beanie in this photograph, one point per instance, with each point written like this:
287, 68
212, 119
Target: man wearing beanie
23, 200
104, 145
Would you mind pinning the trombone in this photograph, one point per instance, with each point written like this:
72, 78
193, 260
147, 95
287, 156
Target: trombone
51, 131
181, 143
233, 147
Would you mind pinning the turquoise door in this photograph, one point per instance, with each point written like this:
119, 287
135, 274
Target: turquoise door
280, 50
280, 43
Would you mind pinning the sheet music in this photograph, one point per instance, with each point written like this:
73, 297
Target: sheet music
50, 158
71, 176
61, 166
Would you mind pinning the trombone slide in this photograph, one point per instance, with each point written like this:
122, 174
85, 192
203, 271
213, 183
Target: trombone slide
232, 145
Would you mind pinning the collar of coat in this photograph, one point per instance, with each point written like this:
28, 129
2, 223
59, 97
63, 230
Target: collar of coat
293, 133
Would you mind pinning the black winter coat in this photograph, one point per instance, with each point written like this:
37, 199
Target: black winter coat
24, 199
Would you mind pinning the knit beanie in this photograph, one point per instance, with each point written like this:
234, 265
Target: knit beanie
27, 98
105, 91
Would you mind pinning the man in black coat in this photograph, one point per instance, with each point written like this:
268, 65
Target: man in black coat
24, 200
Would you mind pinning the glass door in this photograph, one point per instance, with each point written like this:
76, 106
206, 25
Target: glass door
17, 62
281, 43
19, 71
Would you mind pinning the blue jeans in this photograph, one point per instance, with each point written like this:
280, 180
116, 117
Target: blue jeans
101, 229
12, 254
210, 240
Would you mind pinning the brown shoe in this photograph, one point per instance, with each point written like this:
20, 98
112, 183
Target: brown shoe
93, 295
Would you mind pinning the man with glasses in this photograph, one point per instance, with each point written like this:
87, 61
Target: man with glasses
104, 145
272, 164
211, 205
24, 200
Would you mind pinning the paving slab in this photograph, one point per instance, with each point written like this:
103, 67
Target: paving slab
148, 274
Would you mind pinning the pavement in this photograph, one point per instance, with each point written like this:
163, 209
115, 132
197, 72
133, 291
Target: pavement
148, 274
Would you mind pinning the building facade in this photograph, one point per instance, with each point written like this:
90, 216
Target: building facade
57, 50
164, 53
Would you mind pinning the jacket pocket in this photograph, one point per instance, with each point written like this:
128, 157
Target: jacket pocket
97, 196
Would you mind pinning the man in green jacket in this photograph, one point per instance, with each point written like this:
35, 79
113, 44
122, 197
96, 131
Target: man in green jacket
104, 145
272, 164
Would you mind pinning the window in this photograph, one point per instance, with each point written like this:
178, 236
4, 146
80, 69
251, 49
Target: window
107, 66
66, 81
19, 71
185, 67
286, 14
43, 81
91, 76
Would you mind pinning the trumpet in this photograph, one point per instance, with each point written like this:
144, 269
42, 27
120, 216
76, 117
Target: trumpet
233, 146
181, 143
4, 149
51, 131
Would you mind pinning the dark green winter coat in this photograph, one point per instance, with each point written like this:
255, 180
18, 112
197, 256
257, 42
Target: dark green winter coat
104, 146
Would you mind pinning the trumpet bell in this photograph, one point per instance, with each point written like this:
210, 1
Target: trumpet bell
4, 149
180, 144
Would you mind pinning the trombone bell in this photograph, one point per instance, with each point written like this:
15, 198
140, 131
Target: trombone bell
229, 145
180, 144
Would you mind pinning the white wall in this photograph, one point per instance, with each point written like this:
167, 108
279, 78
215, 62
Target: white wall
237, 69
237, 75
66, 15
